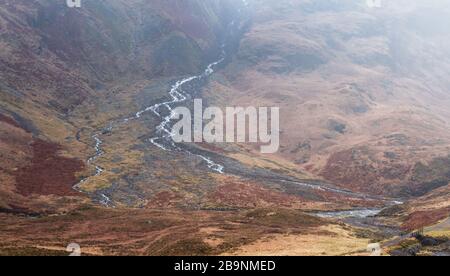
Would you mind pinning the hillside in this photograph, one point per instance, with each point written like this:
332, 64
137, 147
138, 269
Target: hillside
367, 88
61, 68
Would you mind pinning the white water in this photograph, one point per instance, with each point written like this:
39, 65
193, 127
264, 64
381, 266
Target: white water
163, 130
363, 213
163, 139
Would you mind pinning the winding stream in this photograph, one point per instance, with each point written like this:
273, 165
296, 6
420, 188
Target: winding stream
358, 213
163, 135
163, 138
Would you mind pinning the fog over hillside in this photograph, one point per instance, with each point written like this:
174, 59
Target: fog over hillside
367, 87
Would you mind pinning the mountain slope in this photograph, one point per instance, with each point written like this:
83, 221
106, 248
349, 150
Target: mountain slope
62, 66
367, 88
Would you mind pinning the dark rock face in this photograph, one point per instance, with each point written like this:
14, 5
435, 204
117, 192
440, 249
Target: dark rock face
427, 245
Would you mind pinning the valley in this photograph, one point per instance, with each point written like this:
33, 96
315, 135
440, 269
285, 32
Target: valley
85, 127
